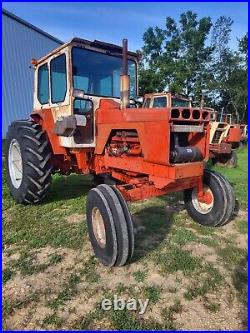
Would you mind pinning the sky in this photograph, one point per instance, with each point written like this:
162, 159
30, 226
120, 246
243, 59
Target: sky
110, 22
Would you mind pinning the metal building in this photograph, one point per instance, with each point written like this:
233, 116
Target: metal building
21, 42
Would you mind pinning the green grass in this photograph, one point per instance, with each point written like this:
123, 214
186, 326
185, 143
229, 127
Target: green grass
238, 176
231, 256
66, 294
175, 259
89, 271
242, 226
159, 247
153, 294
210, 280
45, 224
140, 276
53, 320
7, 274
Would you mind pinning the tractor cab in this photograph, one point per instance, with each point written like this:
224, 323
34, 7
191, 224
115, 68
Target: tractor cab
165, 99
72, 79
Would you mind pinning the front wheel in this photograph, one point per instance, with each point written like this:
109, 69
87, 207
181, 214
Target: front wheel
218, 208
110, 226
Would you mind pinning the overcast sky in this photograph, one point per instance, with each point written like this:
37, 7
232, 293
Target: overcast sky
111, 22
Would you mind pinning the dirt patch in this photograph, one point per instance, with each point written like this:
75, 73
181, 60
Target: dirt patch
201, 250
196, 317
75, 218
239, 239
7, 215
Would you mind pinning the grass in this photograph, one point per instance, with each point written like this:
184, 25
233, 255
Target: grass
140, 276
242, 226
66, 294
175, 259
210, 280
153, 294
53, 320
160, 248
7, 274
89, 271
238, 176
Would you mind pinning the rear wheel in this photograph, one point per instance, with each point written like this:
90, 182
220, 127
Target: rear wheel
226, 160
107, 226
27, 159
233, 160
219, 206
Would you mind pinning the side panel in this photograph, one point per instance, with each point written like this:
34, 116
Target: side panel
152, 127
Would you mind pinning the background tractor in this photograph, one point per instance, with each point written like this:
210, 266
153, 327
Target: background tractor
224, 133
225, 138
85, 121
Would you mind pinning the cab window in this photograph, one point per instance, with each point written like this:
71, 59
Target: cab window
43, 84
178, 102
58, 79
160, 102
146, 103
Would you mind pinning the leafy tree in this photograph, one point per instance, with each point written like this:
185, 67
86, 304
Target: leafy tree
182, 58
229, 83
176, 57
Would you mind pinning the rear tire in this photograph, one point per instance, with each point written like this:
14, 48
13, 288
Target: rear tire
226, 160
220, 211
27, 159
233, 160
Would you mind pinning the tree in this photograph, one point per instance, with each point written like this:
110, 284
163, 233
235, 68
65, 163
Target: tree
229, 83
176, 57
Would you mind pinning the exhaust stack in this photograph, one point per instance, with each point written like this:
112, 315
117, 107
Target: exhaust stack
125, 82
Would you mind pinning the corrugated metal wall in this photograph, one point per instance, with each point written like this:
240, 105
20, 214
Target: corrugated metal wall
20, 43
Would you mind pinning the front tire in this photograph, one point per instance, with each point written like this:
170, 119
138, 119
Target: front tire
27, 159
110, 226
220, 210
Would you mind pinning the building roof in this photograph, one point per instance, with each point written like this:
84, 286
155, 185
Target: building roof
31, 26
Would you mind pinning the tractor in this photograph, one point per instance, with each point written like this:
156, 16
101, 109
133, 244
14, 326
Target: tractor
85, 120
224, 135
225, 138
244, 133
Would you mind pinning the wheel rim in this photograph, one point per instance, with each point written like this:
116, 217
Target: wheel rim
98, 227
202, 207
15, 164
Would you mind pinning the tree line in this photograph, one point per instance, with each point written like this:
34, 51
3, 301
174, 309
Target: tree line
193, 56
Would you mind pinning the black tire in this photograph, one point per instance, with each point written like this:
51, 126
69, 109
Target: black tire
230, 197
120, 224
106, 253
104, 179
218, 213
233, 160
35, 153
129, 221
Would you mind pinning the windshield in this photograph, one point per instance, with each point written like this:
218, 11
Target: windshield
99, 74
178, 102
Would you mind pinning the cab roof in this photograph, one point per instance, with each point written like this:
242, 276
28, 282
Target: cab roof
96, 45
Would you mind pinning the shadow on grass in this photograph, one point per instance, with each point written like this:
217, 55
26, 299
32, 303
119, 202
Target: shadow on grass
69, 187
240, 281
152, 224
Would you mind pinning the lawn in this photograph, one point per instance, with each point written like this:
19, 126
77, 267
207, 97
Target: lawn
194, 277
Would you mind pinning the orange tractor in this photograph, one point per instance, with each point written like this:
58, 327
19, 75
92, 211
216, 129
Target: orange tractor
85, 121
225, 137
